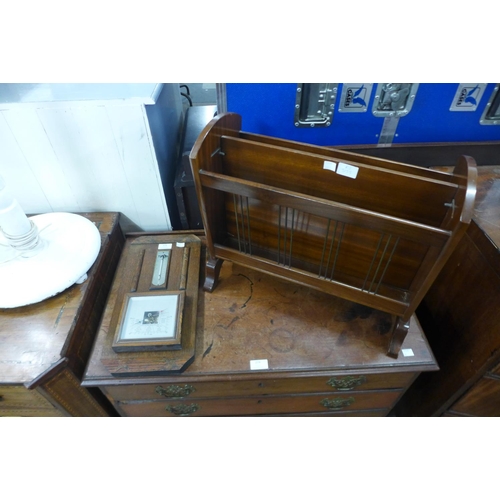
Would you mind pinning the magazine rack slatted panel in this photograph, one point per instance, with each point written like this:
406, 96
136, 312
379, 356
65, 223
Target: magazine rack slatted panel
368, 230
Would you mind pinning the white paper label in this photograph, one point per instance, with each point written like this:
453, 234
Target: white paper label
407, 352
164, 246
347, 170
259, 364
329, 165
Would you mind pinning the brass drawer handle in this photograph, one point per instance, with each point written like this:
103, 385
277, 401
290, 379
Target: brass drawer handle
175, 391
182, 410
346, 383
337, 403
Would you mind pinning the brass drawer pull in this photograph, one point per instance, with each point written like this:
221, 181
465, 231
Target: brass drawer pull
175, 391
337, 403
182, 410
346, 383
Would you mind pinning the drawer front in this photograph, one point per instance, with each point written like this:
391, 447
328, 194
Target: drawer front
324, 403
364, 413
259, 387
16, 396
482, 400
30, 412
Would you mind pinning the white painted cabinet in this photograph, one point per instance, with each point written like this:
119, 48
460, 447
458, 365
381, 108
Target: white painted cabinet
91, 147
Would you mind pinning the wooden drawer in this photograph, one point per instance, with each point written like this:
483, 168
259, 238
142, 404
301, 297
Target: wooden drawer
258, 386
364, 413
324, 402
17, 396
482, 400
32, 412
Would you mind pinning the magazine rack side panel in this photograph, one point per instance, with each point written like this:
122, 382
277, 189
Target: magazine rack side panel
457, 220
206, 155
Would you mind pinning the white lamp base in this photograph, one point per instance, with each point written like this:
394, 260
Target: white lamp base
69, 245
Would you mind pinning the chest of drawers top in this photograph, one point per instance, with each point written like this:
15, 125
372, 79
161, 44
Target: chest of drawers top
257, 326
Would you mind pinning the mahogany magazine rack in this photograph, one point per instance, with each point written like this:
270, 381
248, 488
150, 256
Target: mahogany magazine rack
372, 231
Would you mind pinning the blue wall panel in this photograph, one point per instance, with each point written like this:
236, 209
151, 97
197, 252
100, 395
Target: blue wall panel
269, 109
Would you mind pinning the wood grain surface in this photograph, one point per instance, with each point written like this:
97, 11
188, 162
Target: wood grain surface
253, 316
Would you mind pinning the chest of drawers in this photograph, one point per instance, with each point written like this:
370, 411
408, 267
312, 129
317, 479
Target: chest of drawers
265, 347
44, 347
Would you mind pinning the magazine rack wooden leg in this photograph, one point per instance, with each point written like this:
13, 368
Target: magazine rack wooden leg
399, 332
212, 270
368, 230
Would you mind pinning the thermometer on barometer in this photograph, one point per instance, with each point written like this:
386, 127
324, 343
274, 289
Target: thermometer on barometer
161, 264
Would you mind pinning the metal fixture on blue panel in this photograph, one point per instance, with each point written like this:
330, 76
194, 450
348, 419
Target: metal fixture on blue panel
394, 99
355, 97
221, 94
392, 102
314, 104
491, 114
468, 96
388, 131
